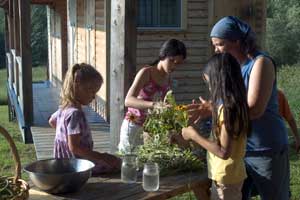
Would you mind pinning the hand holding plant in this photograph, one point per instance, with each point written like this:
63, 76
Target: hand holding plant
163, 125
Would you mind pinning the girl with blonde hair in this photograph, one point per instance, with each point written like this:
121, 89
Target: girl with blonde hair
73, 135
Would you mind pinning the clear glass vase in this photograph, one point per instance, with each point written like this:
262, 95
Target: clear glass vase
129, 168
151, 177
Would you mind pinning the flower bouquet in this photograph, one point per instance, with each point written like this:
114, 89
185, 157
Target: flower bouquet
163, 124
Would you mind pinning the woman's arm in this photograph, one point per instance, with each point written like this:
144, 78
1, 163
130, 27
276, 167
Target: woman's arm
141, 79
293, 126
261, 83
221, 149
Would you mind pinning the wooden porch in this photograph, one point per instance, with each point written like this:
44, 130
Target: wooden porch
45, 102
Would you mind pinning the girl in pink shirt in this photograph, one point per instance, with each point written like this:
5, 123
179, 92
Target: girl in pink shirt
150, 85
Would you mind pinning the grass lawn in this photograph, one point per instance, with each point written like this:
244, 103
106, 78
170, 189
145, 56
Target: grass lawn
288, 80
3, 92
26, 151
38, 74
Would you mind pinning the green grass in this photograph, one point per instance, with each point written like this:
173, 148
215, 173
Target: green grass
26, 151
3, 92
288, 80
38, 74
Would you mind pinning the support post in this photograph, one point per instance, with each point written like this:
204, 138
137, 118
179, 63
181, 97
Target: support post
122, 61
25, 52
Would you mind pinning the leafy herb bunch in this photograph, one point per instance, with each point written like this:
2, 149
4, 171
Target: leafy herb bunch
165, 119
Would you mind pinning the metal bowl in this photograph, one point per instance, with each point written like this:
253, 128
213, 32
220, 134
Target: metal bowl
59, 175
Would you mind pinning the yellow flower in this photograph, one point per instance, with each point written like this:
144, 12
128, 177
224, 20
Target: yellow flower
181, 107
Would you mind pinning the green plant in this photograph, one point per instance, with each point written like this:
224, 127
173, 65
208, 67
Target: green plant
165, 117
161, 123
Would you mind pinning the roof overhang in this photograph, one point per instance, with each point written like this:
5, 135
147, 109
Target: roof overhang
4, 3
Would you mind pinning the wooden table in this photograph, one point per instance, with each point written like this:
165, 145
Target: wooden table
111, 188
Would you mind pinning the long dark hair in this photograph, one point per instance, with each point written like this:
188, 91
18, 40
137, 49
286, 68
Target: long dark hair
227, 88
171, 48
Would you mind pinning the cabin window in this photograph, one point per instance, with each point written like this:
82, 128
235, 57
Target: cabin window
159, 13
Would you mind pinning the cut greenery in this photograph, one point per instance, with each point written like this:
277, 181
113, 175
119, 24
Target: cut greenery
164, 120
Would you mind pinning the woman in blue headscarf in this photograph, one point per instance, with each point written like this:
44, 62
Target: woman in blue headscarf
266, 158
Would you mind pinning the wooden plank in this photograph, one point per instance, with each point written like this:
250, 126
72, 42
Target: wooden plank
16, 27
112, 188
25, 52
81, 32
197, 6
90, 31
100, 5
105, 96
122, 61
198, 13
62, 9
50, 47
72, 23
160, 36
153, 53
157, 44
11, 24
184, 15
44, 138
190, 60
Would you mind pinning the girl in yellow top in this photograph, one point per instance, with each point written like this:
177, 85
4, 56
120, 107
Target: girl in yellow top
230, 113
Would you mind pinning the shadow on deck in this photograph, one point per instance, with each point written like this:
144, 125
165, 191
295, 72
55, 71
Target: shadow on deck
45, 102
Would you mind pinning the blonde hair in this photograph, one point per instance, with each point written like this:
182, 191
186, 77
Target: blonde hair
82, 73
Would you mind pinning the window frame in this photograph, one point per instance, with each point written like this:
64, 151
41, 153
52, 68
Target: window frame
183, 21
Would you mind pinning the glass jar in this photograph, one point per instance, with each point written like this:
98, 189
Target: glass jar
129, 168
151, 177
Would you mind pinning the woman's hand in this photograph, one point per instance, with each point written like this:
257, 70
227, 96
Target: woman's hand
199, 111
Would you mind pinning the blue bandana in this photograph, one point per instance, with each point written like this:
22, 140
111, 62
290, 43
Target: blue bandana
230, 28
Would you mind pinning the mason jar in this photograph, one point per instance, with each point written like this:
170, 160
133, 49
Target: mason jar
129, 168
151, 177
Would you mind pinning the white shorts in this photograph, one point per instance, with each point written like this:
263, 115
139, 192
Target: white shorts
131, 135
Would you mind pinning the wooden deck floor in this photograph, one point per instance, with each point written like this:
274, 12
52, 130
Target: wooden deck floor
45, 102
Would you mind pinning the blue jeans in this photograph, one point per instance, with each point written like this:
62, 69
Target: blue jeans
269, 174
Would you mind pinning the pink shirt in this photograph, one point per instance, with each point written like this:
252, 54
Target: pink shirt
151, 91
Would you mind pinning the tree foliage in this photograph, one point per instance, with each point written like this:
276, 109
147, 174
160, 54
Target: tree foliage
283, 31
2, 42
39, 42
